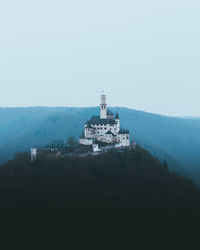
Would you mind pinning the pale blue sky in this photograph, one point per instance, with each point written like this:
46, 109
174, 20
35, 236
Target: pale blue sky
145, 54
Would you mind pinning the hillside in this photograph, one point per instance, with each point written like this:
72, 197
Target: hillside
175, 139
129, 183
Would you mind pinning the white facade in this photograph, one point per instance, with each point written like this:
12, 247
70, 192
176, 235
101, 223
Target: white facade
85, 141
96, 148
124, 140
33, 154
118, 125
103, 107
105, 129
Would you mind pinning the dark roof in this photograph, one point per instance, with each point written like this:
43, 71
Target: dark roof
56, 142
109, 112
117, 116
123, 131
88, 125
98, 120
109, 133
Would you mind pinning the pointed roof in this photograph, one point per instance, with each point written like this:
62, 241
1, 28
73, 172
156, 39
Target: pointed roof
109, 133
117, 117
109, 112
123, 131
98, 120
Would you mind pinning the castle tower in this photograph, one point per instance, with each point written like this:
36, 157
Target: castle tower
103, 107
118, 122
33, 154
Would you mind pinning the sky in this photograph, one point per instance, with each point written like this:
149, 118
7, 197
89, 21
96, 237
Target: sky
144, 54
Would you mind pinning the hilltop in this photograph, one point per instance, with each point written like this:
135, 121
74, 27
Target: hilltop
175, 139
127, 183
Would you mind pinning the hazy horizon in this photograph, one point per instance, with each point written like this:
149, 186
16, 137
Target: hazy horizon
144, 54
109, 107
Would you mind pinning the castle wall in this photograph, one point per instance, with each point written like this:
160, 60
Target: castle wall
103, 112
102, 130
33, 154
99, 132
103, 107
86, 142
124, 139
89, 133
118, 125
106, 138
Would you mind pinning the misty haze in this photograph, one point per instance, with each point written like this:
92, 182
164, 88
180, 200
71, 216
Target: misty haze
99, 108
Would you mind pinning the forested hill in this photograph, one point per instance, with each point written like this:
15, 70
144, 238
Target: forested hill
175, 139
127, 183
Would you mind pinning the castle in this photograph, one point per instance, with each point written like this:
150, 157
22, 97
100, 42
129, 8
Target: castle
104, 130
101, 133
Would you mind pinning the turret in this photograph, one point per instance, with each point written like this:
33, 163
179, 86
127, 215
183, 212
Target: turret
117, 120
34, 152
103, 107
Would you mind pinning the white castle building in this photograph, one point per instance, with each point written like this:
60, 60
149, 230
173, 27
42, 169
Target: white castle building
101, 132
104, 129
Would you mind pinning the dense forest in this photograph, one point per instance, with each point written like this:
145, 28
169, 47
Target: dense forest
130, 183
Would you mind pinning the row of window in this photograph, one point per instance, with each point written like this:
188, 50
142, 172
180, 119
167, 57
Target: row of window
104, 128
94, 125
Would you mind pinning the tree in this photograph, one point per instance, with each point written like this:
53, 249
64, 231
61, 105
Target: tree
72, 142
165, 164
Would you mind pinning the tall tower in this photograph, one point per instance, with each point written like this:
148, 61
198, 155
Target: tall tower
103, 107
118, 122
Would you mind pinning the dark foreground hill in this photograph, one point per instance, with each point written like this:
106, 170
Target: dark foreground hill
124, 183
